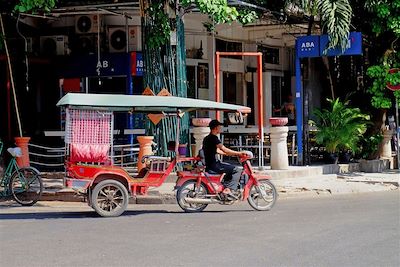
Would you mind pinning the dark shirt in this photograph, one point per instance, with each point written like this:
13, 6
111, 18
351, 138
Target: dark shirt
210, 143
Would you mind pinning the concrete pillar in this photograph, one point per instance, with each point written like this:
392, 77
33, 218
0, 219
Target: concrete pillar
199, 133
279, 153
386, 152
144, 149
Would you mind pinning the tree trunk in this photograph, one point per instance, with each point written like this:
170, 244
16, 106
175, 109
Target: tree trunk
325, 60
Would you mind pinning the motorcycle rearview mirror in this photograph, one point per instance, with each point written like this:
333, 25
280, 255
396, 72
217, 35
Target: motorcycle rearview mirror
235, 118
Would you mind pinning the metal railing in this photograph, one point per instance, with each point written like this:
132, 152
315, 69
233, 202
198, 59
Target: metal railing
44, 157
52, 158
251, 143
126, 155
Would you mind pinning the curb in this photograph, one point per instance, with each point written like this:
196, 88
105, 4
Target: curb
171, 199
155, 197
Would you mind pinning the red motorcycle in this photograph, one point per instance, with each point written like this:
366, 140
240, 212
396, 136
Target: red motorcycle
197, 189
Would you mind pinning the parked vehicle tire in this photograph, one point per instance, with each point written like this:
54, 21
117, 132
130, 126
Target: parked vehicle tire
26, 186
109, 198
188, 189
259, 202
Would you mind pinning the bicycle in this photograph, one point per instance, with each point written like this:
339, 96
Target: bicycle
23, 184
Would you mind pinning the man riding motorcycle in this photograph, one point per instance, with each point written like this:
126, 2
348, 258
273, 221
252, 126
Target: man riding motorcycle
211, 146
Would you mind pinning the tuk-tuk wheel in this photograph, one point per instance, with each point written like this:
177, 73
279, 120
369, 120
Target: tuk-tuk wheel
109, 198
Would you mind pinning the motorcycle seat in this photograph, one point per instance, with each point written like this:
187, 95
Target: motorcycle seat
211, 172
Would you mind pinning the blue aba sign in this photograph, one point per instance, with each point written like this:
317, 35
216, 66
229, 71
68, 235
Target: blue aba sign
307, 46
354, 46
314, 46
116, 64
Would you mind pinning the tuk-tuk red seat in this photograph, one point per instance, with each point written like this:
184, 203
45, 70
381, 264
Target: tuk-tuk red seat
89, 153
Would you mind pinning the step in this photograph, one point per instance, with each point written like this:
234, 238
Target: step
293, 172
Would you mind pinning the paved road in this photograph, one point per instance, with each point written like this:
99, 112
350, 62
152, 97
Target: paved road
347, 230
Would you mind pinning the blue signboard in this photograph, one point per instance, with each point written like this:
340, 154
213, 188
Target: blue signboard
314, 46
117, 64
307, 46
139, 64
354, 43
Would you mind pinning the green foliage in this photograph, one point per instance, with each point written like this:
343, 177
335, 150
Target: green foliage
369, 146
35, 5
340, 126
381, 76
161, 28
385, 20
247, 16
220, 12
386, 15
336, 19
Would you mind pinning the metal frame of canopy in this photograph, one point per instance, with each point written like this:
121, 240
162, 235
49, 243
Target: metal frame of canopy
168, 105
260, 94
144, 104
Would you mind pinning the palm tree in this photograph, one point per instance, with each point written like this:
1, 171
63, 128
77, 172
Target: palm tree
340, 126
335, 20
334, 15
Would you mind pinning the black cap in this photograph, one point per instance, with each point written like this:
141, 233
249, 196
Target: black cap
214, 123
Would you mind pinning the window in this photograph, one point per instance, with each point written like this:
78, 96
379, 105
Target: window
226, 46
202, 75
270, 55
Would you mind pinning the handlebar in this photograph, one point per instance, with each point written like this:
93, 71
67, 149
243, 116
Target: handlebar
249, 155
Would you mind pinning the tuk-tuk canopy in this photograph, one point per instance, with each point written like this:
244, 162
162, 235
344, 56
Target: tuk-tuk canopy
146, 104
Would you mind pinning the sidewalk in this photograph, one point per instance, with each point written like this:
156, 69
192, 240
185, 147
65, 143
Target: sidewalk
290, 183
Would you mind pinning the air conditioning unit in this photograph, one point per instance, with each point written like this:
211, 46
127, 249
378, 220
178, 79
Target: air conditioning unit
54, 45
86, 24
117, 39
86, 44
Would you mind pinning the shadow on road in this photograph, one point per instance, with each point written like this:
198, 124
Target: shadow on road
92, 214
68, 215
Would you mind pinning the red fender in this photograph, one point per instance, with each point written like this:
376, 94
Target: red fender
251, 182
87, 175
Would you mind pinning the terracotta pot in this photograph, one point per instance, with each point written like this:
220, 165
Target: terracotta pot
22, 142
144, 149
201, 122
278, 121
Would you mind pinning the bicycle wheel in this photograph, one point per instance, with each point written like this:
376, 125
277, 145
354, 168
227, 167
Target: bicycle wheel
26, 186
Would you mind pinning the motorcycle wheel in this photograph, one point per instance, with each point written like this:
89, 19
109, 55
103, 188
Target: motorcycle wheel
257, 201
188, 189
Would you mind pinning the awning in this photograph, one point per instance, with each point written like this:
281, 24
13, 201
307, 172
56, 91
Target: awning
146, 104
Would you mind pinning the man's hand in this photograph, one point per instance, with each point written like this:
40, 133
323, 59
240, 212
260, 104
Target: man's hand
244, 153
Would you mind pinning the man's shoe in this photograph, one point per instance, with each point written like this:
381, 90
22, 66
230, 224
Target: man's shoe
233, 195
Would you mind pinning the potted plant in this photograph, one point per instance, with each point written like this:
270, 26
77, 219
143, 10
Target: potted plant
339, 128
